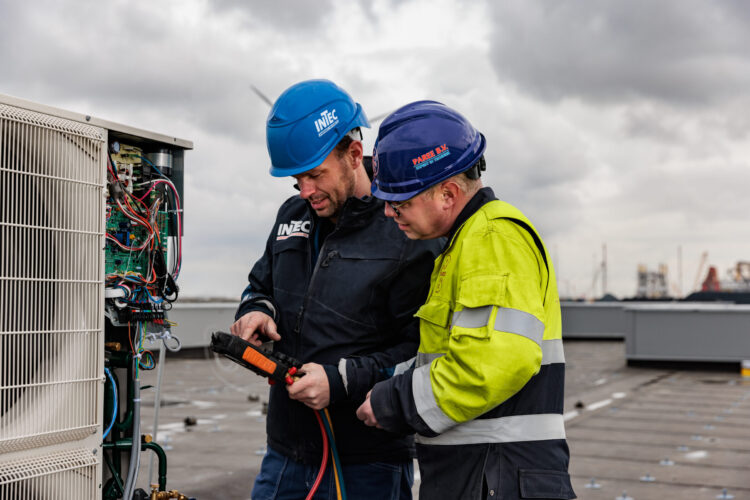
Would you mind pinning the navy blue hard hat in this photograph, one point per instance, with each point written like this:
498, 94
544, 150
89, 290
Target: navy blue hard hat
420, 145
305, 124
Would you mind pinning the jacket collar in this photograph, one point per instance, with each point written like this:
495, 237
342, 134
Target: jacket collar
480, 198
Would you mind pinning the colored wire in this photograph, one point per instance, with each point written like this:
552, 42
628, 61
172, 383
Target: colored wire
114, 398
334, 455
338, 471
178, 213
138, 219
150, 361
140, 330
152, 165
129, 249
130, 338
324, 460
153, 184
142, 334
111, 165
155, 300
131, 214
176, 198
149, 222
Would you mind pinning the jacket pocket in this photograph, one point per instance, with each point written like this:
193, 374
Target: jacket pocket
296, 243
353, 283
541, 483
435, 312
482, 290
289, 266
370, 252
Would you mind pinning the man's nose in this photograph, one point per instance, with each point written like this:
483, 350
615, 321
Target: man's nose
306, 188
389, 211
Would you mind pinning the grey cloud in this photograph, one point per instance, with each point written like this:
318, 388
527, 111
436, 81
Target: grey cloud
647, 121
288, 15
199, 80
686, 51
537, 150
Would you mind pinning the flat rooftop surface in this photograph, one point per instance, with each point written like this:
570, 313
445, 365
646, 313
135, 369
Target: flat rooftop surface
645, 433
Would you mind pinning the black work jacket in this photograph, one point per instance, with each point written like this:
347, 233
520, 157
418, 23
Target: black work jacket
350, 308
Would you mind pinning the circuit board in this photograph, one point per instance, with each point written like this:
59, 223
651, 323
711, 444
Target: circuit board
133, 174
120, 261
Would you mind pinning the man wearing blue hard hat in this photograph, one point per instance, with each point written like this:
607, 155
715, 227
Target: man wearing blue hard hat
485, 393
336, 288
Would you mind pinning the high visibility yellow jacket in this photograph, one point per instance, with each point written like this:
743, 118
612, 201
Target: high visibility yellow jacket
489, 374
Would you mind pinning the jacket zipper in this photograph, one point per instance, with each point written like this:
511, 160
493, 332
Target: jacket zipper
318, 264
301, 311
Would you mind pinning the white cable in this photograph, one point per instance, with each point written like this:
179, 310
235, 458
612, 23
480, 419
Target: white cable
157, 405
135, 450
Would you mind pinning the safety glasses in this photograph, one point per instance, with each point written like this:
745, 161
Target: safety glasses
401, 204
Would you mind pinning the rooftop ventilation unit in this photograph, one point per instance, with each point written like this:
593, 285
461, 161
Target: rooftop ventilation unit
53, 233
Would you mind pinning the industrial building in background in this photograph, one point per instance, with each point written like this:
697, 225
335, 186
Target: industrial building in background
90, 255
652, 284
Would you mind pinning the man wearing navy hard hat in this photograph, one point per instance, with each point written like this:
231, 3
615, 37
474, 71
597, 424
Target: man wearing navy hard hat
336, 288
485, 394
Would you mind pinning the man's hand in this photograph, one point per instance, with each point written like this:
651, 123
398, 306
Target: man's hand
365, 414
253, 324
312, 389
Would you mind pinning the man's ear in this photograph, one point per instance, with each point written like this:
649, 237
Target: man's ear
355, 152
449, 191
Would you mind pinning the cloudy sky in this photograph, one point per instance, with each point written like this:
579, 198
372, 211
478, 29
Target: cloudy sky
622, 123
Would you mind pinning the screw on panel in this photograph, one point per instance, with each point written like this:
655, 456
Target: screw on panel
593, 485
648, 478
724, 495
624, 496
666, 461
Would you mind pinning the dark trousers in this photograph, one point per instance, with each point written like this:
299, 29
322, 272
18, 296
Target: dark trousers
281, 478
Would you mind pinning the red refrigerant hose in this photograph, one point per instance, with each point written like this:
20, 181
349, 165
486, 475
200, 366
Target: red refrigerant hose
323, 462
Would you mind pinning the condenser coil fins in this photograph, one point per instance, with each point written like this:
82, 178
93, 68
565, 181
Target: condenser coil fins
51, 279
70, 474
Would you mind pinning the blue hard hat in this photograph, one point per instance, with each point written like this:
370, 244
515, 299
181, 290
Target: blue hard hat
305, 124
420, 145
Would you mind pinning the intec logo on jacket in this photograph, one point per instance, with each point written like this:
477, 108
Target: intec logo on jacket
294, 228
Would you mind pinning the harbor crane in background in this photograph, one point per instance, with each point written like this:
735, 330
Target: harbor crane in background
701, 265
